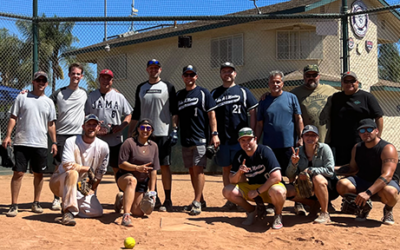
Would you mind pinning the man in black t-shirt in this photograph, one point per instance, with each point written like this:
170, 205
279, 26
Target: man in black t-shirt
371, 171
255, 175
195, 112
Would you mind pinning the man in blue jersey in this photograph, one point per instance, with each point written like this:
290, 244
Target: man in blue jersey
233, 104
196, 112
156, 100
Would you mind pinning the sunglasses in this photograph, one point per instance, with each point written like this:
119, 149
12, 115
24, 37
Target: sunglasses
349, 81
362, 130
189, 74
41, 80
312, 75
145, 128
153, 62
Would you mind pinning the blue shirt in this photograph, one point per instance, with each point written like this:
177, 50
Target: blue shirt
279, 121
232, 106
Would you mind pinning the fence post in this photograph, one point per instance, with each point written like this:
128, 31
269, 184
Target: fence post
345, 37
35, 36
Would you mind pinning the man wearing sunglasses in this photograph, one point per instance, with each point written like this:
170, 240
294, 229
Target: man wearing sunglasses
371, 171
156, 99
196, 112
348, 108
35, 114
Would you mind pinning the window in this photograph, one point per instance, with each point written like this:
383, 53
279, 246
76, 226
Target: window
117, 64
227, 49
298, 45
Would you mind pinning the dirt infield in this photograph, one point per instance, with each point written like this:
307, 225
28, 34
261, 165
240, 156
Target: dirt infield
213, 229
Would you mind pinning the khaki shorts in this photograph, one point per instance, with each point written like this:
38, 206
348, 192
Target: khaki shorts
245, 188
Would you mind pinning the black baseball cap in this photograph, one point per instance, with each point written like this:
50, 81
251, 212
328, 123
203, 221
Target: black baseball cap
366, 123
227, 65
189, 68
310, 128
154, 62
146, 121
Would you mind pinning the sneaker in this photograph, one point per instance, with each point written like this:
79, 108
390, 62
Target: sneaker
250, 218
118, 202
270, 208
299, 209
36, 208
166, 207
387, 217
362, 217
126, 220
13, 211
331, 208
277, 222
229, 206
68, 219
323, 218
189, 207
196, 208
56, 206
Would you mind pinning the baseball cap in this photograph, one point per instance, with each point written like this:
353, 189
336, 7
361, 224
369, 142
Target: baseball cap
366, 123
311, 67
39, 74
349, 73
153, 62
310, 128
91, 117
227, 65
189, 68
245, 132
107, 72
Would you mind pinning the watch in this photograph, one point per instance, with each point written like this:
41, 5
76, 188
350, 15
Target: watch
214, 133
369, 192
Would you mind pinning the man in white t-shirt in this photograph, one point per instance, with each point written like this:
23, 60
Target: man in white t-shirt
33, 114
82, 153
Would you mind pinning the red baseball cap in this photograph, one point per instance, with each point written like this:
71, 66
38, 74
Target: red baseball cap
107, 72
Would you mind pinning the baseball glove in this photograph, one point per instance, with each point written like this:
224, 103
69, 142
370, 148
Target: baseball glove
304, 188
211, 151
86, 184
148, 201
349, 205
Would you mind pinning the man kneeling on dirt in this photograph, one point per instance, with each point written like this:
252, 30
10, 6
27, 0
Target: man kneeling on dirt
84, 155
259, 165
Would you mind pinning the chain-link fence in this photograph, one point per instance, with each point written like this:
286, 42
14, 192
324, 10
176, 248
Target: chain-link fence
257, 39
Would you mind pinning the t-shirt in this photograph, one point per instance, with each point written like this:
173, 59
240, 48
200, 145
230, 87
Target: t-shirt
262, 163
94, 155
278, 114
33, 115
316, 107
110, 109
232, 106
193, 107
347, 111
70, 110
157, 102
135, 153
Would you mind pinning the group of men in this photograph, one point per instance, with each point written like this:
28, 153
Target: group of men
87, 135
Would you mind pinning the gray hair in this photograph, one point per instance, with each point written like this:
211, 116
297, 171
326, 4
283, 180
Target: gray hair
276, 73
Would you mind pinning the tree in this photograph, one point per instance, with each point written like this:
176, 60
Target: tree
389, 62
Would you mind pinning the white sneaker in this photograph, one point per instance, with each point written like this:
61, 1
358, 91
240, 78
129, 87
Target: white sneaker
56, 206
250, 218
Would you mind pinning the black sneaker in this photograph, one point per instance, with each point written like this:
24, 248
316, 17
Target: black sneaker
229, 206
13, 211
158, 203
166, 207
387, 217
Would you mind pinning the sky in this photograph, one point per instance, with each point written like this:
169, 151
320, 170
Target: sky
91, 33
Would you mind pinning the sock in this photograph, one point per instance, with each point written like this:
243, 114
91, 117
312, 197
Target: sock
388, 208
167, 194
56, 197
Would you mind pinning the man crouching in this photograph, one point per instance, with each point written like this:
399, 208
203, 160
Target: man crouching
259, 165
83, 155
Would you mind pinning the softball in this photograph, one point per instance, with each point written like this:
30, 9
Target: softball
129, 243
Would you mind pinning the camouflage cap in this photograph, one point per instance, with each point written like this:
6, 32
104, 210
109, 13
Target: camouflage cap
311, 67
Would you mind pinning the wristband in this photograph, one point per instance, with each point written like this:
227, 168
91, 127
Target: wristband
368, 192
258, 191
55, 143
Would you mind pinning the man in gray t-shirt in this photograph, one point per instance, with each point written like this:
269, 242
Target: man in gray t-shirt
35, 114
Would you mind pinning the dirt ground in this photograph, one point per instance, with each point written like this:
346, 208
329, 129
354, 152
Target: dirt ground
213, 229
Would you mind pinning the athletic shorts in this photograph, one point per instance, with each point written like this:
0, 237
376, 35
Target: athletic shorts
60, 149
36, 156
194, 156
362, 185
245, 188
114, 155
164, 150
140, 186
226, 153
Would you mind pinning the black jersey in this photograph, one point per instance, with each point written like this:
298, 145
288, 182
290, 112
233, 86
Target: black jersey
232, 106
262, 163
193, 107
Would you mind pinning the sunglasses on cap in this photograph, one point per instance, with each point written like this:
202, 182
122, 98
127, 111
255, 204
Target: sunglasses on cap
312, 75
362, 130
189, 74
153, 62
145, 128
